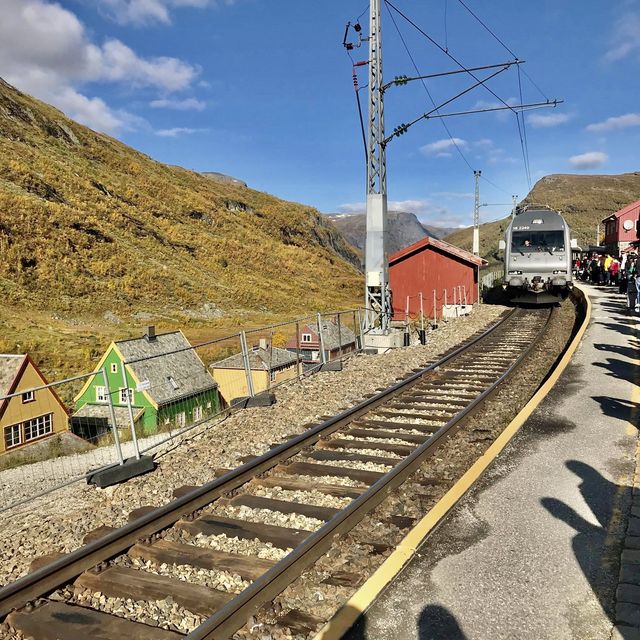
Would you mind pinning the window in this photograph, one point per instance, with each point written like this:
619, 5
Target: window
123, 396
173, 383
181, 419
38, 427
12, 436
306, 337
114, 368
101, 394
209, 404
28, 396
272, 375
197, 413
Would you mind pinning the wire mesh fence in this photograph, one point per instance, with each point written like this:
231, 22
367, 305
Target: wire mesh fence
491, 279
150, 391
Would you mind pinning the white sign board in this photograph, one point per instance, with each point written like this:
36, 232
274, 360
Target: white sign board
143, 385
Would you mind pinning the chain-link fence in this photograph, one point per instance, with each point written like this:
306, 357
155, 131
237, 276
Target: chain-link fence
491, 279
44, 445
150, 391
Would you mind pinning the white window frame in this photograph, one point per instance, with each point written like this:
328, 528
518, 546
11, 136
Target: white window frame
38, 427
181, 419
14, 429
101, 394
197, 413
209, 404
123, 396
272, 375
114, 367
28, 396
306, 337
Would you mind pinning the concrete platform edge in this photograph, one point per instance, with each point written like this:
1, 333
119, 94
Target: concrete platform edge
349, 613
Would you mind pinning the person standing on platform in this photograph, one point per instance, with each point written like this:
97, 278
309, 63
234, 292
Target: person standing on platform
606, 266
614, 267
636, 269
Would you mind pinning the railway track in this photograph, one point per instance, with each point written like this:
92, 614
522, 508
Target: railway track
209, 560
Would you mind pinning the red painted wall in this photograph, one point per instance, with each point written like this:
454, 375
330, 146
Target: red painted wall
617, 233
427, 270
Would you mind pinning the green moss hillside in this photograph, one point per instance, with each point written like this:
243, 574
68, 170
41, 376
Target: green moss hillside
96, 237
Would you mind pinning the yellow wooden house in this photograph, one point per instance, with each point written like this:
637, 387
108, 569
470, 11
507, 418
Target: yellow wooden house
269, 367
28, 413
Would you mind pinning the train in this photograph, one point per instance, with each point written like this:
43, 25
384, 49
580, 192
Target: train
537, 258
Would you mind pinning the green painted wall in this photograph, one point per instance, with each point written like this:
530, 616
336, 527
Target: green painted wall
168, 416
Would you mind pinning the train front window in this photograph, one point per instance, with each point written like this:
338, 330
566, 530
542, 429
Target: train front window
530, 241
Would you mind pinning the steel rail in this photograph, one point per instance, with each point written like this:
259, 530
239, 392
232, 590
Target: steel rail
63, 570
231, 617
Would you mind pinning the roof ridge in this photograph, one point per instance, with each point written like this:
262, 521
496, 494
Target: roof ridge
143, 337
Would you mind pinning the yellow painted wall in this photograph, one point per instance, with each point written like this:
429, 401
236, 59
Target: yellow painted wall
45, 402
232, 383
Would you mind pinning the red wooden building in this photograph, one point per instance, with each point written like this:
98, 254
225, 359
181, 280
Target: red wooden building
621, 228
430, 266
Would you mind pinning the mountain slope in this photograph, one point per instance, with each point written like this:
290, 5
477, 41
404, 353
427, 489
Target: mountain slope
404, 229
89, 225
584, 200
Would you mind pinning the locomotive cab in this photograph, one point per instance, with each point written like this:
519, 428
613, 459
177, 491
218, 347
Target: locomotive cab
538, 252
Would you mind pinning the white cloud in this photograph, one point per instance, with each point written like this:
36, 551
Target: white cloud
442, 148
426, 211
541, 120
454, 194
177, 131
616, 122
45, 51
141, 12
188, 104
624, 39
589, 160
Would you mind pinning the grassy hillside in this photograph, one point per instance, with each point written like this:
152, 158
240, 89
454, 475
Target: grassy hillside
583, 200
97, 239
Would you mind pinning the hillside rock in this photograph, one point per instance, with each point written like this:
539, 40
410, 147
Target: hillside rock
222, 178
404, 229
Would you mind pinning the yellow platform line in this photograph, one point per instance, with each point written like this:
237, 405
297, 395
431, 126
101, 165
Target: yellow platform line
347, 615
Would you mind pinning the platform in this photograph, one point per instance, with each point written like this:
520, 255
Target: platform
533, 551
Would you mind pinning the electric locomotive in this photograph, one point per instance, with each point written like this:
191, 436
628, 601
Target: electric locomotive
537, 258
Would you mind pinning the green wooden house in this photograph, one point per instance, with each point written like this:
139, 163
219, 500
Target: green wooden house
169, 386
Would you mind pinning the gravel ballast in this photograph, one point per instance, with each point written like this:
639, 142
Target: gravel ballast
58, 522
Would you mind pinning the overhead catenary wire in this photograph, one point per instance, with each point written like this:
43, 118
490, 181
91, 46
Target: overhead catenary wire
389, 4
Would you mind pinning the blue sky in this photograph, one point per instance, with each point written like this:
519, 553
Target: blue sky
263, 91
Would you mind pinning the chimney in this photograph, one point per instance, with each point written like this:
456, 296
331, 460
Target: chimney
263, 343
151, 333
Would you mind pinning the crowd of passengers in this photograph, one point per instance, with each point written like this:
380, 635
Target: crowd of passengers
622, 272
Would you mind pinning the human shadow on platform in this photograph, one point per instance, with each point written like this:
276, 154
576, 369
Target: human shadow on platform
618, 408
435, 623
596, 556
630, 351
619, 369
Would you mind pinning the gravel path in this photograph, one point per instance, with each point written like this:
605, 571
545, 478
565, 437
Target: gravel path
58, 522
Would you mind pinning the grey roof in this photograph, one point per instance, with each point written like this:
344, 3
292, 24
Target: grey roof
332, 337
259, 359
174, 359
9, 367
102, 411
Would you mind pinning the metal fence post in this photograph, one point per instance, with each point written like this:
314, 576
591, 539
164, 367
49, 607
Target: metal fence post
112, 415
247, 364
421, 312
464, 292
339, 337
435, 308
299, 357
455, 299
134, 436
361, 330
323, 355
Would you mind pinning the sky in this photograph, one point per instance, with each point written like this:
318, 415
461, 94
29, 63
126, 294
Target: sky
263, 91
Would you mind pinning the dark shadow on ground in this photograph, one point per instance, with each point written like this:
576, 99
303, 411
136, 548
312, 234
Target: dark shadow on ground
617, 408
624, 325
435, 623
619, 369
597, 557
631, 351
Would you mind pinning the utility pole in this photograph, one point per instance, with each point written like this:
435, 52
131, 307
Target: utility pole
378, 295
476, 216
515, 204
